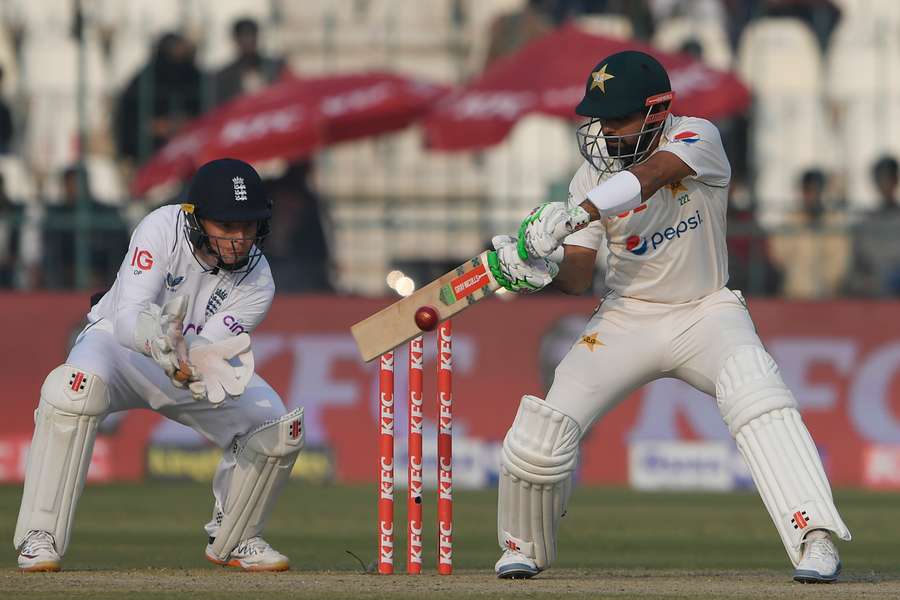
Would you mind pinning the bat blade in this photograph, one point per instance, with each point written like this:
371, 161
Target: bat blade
448, 294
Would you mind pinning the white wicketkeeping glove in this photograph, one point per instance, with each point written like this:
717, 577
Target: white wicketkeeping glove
158, 334
515, 274
545, 227
223, 367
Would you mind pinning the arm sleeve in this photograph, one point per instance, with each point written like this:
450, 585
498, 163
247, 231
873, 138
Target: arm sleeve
697, 142
242, 315
141, 276
592, 235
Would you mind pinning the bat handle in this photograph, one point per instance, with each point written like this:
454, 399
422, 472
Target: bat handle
183, 373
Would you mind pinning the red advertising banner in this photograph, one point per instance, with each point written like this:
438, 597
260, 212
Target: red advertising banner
841, 359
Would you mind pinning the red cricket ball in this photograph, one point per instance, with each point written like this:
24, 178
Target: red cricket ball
426, 318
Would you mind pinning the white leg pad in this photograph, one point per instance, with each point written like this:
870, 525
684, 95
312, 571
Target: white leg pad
264, 457
540, 453
73, 402
762, 415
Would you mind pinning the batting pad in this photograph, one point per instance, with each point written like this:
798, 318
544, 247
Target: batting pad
540, 453
73, 402
264, 457
762, 415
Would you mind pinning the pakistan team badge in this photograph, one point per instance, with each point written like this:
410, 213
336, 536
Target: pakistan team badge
590, 340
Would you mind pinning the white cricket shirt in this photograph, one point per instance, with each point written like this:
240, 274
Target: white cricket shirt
160, 265
671, 248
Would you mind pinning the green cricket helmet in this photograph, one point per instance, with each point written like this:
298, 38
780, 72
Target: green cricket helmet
620, 85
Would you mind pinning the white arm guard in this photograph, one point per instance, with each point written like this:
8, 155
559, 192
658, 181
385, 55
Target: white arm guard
618, 194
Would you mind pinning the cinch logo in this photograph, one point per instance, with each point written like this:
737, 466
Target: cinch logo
638, 245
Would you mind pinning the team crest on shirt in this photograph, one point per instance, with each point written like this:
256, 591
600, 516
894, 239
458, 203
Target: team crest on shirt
215, 301
172, 281
679, 192
590, 340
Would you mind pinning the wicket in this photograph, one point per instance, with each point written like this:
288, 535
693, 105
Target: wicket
414, 463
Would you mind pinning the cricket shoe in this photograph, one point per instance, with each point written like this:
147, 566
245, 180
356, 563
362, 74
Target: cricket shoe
515, 565
38, 552
253, 554
820, 562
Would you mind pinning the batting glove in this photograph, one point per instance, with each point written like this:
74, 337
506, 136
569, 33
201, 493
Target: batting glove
545, 228
517, 275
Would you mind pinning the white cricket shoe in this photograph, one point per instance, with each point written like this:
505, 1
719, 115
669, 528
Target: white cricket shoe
253, 554
38, 552
820, 562
515, 565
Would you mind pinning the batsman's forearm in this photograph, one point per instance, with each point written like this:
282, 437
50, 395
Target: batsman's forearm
576, 270
571, 280
591, 210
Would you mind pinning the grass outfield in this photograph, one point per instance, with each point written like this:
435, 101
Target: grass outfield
147, 541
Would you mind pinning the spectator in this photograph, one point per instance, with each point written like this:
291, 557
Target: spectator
297, 247
885, 175
251, 70
159, 99
822, 16
10, 226
107, 236
750, 266
511, 31
813, 249
6, 123
876, 244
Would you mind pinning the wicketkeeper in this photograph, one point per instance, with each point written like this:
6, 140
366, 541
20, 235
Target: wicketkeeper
655, 187
172, 335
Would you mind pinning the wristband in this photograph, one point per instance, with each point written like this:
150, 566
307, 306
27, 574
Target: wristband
618, 194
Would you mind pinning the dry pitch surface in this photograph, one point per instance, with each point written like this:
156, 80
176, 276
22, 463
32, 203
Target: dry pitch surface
145, 542
564, 583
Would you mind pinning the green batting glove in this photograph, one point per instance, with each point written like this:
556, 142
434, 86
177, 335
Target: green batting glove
497, 272
532, 217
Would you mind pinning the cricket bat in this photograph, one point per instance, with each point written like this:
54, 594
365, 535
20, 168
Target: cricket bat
447, 295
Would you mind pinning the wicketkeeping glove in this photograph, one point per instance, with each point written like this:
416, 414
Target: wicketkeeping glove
158, 334
223, 367
517, 275
545, 227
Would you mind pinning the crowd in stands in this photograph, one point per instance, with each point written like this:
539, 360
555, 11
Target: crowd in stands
90, 89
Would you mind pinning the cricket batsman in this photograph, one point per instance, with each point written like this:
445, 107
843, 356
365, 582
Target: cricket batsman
172, 335
655, 186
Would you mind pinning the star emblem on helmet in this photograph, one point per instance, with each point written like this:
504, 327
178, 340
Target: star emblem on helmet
600, 77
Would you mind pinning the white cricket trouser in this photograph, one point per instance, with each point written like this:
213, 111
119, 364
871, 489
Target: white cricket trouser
633, 342
136, 381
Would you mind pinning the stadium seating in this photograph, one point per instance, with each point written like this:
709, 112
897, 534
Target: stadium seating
673, 33
863, 52
780, 60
